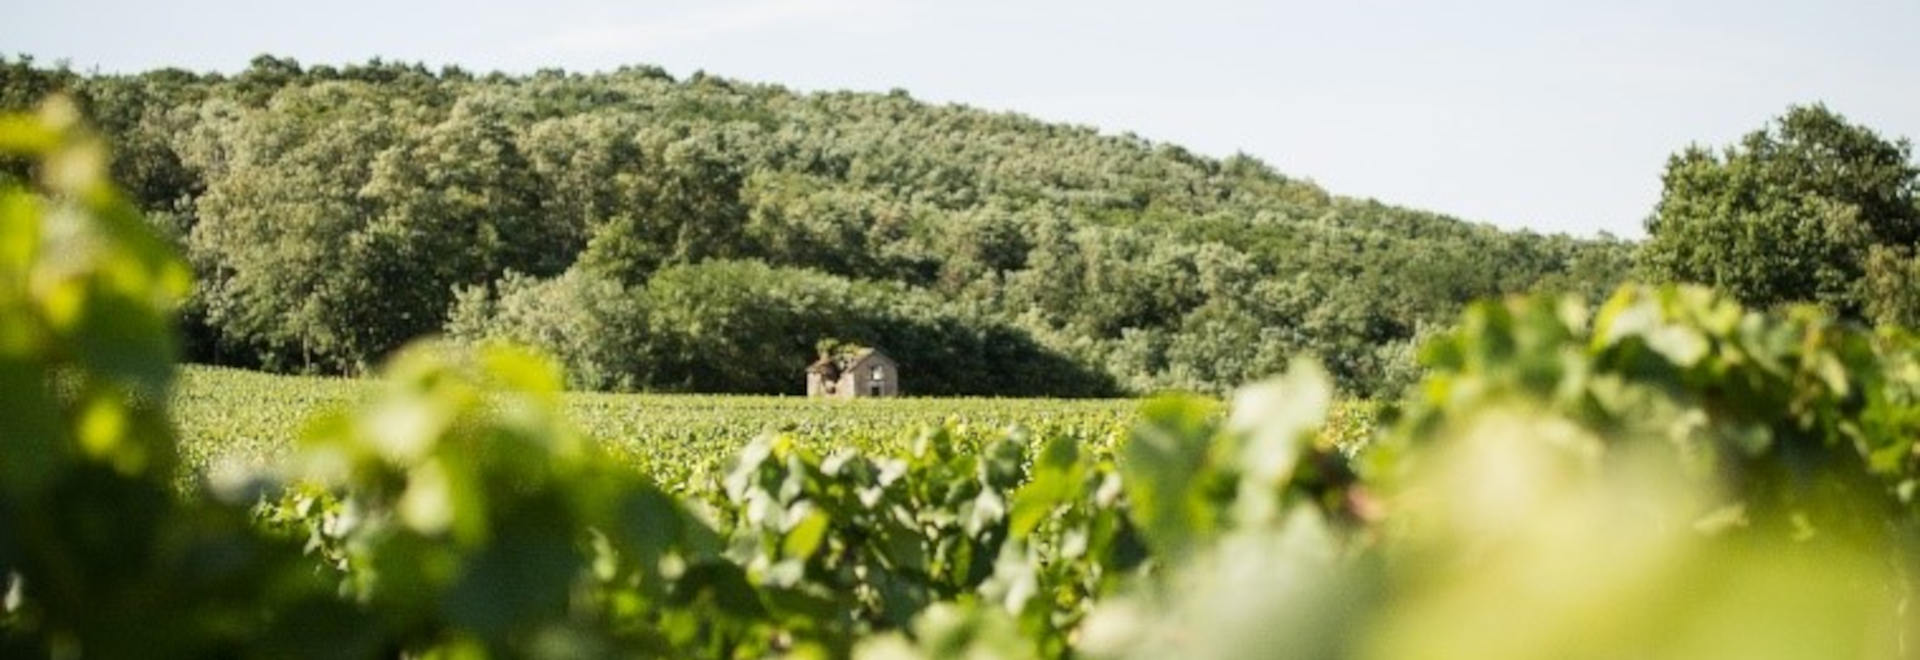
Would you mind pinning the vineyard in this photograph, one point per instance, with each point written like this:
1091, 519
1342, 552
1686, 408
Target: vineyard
251, 419
1668, 475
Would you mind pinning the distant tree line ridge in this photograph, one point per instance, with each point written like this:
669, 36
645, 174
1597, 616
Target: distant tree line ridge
702, 234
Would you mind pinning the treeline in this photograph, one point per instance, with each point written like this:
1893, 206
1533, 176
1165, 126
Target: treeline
703, 234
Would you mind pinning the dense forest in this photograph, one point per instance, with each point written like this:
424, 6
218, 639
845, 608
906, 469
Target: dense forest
705, 234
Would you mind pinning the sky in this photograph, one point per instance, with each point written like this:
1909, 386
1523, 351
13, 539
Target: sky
1542, 114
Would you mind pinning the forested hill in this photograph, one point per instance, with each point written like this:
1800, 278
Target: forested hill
708, 234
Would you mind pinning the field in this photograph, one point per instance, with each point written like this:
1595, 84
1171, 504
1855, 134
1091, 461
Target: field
254, 419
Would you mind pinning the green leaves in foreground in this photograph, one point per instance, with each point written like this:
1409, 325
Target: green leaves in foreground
1169, 474
1189, 477
85, 295
100, 556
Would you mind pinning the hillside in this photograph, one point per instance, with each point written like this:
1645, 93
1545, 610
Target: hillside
705, 234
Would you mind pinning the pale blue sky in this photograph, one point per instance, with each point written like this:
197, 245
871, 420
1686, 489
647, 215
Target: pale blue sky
1550, 115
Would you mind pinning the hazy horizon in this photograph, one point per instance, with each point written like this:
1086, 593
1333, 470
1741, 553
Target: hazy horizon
1551, 119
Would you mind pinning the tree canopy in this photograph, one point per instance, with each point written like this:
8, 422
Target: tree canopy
332, 213
1793, 212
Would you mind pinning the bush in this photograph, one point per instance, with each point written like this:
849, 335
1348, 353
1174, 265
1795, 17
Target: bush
745, 327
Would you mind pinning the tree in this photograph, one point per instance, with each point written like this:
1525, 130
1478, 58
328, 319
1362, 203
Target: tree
1891, 288
455, 205
595, 327
687, 209
339, 220
1789, 214
280, 239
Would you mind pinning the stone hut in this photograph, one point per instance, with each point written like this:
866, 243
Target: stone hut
855, 374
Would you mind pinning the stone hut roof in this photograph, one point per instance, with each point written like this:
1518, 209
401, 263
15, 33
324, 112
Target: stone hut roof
831, 366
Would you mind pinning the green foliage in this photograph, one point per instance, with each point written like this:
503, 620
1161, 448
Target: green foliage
1789, 214
597, 328
464, 515
686, 210
237, 421
100, 556
1760, 402
742, 326
1891, 286
392, 207
1679, 477
332, 213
